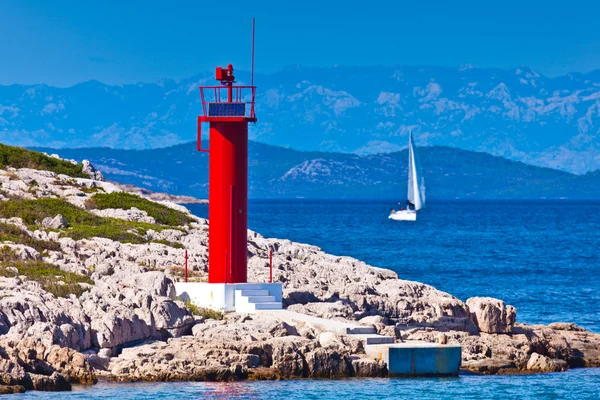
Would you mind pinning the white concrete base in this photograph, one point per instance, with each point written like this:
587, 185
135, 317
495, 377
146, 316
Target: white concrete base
240, 297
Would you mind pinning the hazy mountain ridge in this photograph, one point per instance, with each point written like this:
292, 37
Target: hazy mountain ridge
278, 173
515, 113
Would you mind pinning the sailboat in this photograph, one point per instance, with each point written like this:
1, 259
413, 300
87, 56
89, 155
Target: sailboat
416, 187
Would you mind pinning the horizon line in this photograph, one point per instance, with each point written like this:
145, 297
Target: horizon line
460, 68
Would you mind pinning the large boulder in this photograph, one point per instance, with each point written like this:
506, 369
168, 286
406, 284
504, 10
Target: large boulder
35, 365
114, 312
125, 311
491, 315
132, 214
54, 223
154, 282
89, 169
540, 363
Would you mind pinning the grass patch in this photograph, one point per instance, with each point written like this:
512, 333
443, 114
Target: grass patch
9, 232
33, 211
17, 157
205, 313
82, 223
110, 228
175, 245
47, 275
162, 214
90, 190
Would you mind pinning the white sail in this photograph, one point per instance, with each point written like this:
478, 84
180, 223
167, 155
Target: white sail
416, 183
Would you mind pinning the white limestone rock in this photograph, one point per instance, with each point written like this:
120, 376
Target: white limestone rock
89, 169
23, 252
330, 339
374, 320
55, 223
132, 214
540, 363
111, 314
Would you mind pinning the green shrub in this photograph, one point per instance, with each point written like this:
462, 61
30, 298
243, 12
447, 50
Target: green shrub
47, 275
176, 245
9, 232
82, 224
162, 214
18, 157
121, 232
36, 210
90, 190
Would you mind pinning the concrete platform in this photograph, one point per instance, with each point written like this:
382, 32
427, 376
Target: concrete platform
418, 358
411, 358
240, 297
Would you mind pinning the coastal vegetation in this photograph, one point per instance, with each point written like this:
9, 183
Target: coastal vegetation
81, 223
175, 245
206, 313
162, 214
12, 233
17, 157
52, 279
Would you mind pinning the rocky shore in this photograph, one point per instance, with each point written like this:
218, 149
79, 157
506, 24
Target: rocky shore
88, 293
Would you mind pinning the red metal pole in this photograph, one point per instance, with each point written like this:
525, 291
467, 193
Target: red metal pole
186, 266
271, 266
231, 272
231, 234
226, 265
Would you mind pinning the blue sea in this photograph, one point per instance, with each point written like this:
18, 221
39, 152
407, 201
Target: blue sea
540, 256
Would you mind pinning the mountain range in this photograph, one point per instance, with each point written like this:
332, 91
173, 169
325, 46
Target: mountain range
514, 113
276, 172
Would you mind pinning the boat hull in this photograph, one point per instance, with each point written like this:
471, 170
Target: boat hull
404, 215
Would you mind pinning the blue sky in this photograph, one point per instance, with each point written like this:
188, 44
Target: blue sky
117, 42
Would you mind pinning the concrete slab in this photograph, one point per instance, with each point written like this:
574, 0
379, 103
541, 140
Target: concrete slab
329, 325
373, 339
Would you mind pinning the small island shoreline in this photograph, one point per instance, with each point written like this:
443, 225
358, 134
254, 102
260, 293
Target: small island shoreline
87, 294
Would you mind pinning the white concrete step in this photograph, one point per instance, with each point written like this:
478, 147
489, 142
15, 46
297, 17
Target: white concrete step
372, 339
251, 286
257, 299
252, 292
267, 306
360, 330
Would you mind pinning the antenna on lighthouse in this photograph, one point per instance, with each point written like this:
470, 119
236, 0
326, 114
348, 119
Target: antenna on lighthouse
252, 73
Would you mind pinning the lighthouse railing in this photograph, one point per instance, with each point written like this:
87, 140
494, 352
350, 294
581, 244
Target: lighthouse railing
215, 100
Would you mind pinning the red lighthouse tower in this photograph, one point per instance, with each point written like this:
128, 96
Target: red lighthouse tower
228, 109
